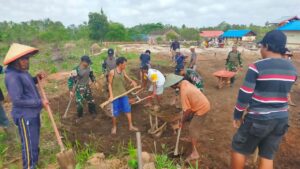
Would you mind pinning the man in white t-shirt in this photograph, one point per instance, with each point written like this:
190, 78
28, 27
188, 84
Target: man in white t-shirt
157, 80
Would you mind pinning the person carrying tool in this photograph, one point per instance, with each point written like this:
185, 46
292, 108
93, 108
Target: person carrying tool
193, 77
116, 86
175, 45
109, 63
145, 59
157, 80
264, 95
179, 60
195, 107
193, 60
79, 85
26, 100
233, 62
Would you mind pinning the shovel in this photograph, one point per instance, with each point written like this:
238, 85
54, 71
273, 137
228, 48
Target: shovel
176, 153
66, 158
70, 101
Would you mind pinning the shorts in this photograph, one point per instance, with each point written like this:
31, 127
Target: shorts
142, 65
264, 134
120, 105
178, 68
195, 126
159, 89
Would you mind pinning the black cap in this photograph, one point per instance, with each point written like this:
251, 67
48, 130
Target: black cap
275, 40
148, 51
86, 59
110, 51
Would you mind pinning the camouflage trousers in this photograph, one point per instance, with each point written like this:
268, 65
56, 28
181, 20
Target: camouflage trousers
200, 86
233, 67
84, 93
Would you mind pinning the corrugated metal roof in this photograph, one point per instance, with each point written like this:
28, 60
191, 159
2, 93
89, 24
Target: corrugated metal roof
291, 26
211, 34
284, 19
235, 33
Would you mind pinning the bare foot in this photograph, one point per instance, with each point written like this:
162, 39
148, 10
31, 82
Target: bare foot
114, 130
132, 128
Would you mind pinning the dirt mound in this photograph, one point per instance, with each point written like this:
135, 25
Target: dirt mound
69, 46
57, 54
95, 49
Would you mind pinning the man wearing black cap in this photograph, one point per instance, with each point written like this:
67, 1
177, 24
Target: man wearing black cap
78, 84
264, 95
109, 63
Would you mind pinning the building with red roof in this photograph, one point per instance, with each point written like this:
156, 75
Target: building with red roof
211, 34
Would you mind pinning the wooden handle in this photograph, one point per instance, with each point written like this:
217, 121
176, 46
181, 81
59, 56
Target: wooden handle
177, 142
137, 92
62, 147
109, 101
178, 136
68, 107
140, 100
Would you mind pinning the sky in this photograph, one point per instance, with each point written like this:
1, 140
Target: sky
192, 13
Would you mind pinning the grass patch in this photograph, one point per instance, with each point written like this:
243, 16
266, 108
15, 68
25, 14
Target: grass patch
162, 161
3, 148
83, 153
132, 162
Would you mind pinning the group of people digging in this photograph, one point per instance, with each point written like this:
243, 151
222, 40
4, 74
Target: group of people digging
260, 114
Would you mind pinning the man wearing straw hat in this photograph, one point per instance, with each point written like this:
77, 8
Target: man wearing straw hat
194, 105
26, 100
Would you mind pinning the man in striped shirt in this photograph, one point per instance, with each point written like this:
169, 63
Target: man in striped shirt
264, 95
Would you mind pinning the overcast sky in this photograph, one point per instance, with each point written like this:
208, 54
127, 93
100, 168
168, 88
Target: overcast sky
196, 13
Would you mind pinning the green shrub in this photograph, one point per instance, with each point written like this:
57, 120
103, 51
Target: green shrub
132, 162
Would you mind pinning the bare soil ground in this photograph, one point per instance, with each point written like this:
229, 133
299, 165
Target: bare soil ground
215, 144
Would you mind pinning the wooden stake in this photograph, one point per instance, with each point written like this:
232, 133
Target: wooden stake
156, 122
155, 149
139, 149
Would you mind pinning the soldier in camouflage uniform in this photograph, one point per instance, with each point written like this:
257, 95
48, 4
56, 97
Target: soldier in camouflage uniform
79, 82
233, 62
193, 77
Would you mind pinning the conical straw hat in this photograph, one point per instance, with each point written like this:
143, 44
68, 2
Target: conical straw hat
17, 51
172, 79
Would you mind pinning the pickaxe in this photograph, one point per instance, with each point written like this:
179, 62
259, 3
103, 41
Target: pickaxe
138, 99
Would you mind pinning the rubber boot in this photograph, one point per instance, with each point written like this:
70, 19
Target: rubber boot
232, 80
79, 111
92, 108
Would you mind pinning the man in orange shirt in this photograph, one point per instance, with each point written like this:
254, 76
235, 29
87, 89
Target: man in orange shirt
194, 105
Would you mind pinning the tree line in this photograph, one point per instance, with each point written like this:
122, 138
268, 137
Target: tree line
99, 28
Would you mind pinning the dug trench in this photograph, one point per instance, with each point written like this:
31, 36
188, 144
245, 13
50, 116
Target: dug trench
217, 132
95, 130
